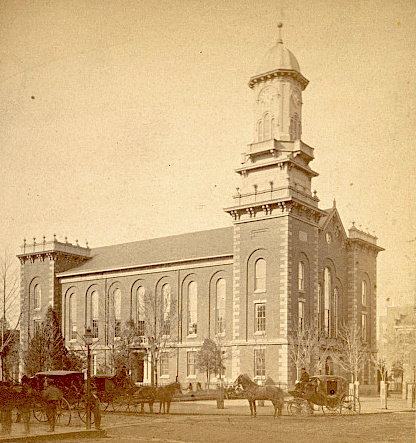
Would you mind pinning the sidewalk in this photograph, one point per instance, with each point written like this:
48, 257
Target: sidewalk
369, 405
38, 433
372, 405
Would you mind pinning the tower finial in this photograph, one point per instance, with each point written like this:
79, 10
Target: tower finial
280, 25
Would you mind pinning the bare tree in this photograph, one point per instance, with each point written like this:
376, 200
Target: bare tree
307, 348
157, 327
382, 366
9, 285
120, 357
351, 352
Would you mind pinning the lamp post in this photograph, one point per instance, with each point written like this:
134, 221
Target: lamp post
88, 337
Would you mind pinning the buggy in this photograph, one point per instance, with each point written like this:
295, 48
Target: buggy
328, 391
72, 386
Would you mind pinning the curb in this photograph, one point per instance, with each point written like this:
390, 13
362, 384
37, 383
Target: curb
93, 433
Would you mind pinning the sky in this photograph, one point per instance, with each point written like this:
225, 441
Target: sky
124, 120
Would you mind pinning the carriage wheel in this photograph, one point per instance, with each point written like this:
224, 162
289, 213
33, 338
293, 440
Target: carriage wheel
39, 413
117, 405
299, 408
82, 412
349, 406
16, 416
330, 410
104, 405
63, 413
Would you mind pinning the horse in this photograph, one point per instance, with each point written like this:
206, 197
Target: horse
150, 394
165, 394
254, 392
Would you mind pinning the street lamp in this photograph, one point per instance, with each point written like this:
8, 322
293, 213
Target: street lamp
88, 339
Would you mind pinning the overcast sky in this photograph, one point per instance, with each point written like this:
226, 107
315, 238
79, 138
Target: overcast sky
124, 120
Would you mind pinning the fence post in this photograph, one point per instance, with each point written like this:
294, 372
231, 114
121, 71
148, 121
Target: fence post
383, 394
410, 395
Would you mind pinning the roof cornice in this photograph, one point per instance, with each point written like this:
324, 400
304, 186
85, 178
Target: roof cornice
279, 73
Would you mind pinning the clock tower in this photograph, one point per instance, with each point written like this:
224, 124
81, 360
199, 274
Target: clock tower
276, 220
275, 172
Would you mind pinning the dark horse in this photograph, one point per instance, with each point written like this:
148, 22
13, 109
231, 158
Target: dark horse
254, 392
163, 394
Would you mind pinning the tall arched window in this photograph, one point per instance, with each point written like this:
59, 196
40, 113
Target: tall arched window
260, 131
192, 308
364, 293
296, 126
166, 300
220, 306
301, 275
273, 127
140, 310
72, 316
335, 313
260, 275
301, 315
320, 303
117, 312
327, 300
267, 126
37, 293
92, 313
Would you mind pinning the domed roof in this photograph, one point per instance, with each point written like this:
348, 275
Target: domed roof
278, 61
278, 57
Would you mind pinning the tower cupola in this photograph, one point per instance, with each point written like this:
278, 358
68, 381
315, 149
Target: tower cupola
278, 90
275, 172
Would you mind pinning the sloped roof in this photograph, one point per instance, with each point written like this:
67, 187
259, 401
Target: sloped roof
331, 213
183, 247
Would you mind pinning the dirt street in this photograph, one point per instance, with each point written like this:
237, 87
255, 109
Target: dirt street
374, 428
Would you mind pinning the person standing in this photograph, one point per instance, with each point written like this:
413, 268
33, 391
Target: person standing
95, 408
52, 396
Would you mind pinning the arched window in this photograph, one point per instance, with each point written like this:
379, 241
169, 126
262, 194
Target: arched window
220, 306
301, 275
335, 313
329, 367
260, 131
166, 300
72, 316
364, 326
260, 275
192, 308
273, 127
327, 300
296, 126
364, 293
301, 315
140, 310
291, 128
267, 126
320, 303
117, 312
92, 313
37, 293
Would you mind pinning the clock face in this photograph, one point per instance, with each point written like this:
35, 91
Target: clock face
268, 95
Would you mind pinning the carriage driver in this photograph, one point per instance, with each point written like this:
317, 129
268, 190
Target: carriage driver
304, 380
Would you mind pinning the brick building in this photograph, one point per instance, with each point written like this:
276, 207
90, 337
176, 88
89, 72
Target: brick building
283, 261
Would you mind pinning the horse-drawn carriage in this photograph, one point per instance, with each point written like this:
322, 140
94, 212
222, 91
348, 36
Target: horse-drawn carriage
330, 392
71, 384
